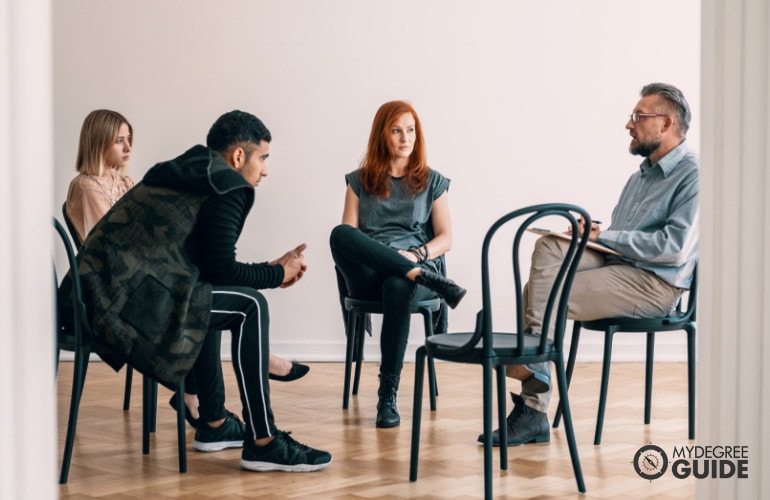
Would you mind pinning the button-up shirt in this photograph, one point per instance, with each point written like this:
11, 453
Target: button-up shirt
655, 224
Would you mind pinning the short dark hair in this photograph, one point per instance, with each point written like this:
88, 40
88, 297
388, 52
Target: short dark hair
236, 127
675, 100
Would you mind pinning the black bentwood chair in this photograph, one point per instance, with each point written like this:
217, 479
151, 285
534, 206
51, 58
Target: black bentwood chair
76, 241
680, 319
495, 349
78, 339
357, 311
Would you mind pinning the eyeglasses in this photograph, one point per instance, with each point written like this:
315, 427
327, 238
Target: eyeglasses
634, 117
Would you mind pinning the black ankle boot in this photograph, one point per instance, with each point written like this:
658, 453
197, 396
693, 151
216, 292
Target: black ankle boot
525, 425
448, 289
387, 413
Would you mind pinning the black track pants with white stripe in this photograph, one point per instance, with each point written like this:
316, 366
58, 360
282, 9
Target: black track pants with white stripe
244, 312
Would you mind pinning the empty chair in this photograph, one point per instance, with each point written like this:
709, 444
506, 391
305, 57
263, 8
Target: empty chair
494, 348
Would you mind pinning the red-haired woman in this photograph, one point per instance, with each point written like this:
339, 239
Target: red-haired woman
395, 226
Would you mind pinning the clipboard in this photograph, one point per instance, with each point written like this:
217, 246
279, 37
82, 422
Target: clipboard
591, 244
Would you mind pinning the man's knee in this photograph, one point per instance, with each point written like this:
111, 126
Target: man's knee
548, 251
244, 297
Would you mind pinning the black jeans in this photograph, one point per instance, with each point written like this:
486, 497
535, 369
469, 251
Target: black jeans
374, 271
244, 312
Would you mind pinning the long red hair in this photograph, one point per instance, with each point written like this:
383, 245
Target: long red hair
374, 171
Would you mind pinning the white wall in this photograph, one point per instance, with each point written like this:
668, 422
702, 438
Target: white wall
522, 102
733, 376
28, 420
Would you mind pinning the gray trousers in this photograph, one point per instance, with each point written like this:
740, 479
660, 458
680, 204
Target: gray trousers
600, 290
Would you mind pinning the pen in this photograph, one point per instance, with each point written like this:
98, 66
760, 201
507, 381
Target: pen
598, 221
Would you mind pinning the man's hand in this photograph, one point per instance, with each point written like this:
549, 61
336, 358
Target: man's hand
595, 230
294, 266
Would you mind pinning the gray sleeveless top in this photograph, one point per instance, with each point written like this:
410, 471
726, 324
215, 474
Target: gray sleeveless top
402, 220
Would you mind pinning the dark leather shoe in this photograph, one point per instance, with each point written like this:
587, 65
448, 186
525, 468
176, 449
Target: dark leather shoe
451, 292
297, 371
195, 423
525, 425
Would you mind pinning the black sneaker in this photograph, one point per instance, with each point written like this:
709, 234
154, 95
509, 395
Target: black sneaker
283, 454
524, 425
228, 435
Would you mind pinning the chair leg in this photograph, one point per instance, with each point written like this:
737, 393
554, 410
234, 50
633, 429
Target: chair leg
502, 422
576, 327
78, 381
561, 379
648, 376
419, 377
349, 347
487, 408
127, 391
359, 351
154, 406
690, 329
149, 413
146, 409
606, 362
181, 437
427, 316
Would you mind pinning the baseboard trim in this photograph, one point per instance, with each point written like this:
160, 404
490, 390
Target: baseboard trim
626, 348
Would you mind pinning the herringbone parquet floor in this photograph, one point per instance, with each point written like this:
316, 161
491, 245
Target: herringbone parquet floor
374, 463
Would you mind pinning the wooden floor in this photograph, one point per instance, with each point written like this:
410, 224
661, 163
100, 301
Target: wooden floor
374, 463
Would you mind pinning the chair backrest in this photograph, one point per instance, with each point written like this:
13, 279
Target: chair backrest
692, 301
70, 226
79, 325
555, 312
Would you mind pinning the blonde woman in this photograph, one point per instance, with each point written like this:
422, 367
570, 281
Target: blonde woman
106, 138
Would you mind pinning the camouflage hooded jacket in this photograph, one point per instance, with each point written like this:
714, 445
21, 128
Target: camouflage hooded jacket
141, 283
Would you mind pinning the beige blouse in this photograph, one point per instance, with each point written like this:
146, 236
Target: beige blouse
89, 197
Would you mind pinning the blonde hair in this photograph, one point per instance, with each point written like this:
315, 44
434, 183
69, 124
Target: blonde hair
99, 131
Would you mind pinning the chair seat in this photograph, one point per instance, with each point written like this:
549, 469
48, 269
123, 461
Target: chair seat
375, 306
67, 341
504, 346
672, 322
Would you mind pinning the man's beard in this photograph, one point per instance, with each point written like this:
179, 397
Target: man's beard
644, 148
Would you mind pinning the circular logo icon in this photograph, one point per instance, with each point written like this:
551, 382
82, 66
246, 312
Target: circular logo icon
650, 462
